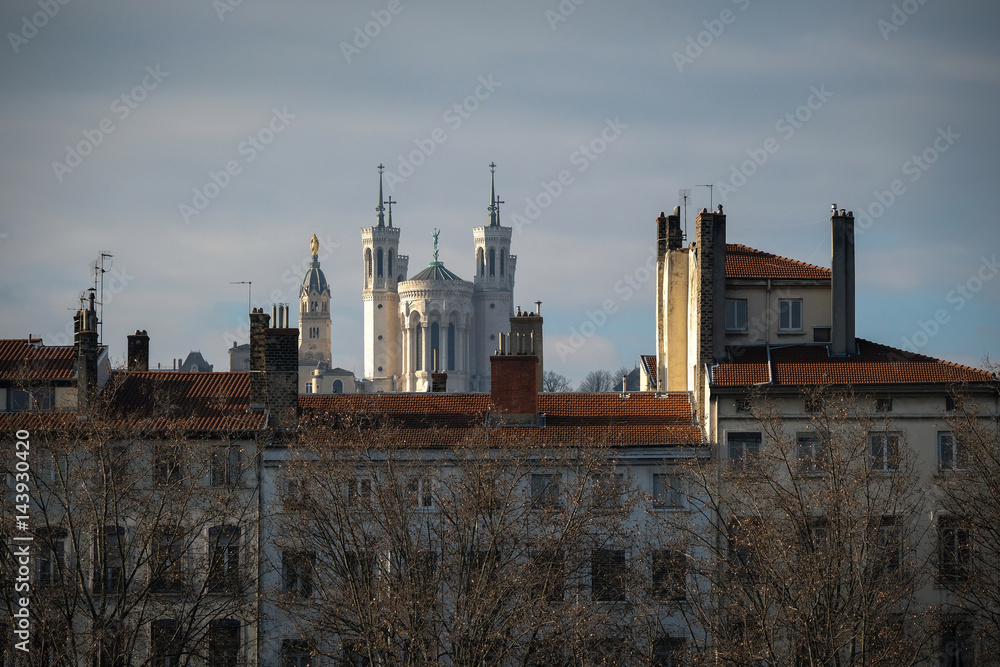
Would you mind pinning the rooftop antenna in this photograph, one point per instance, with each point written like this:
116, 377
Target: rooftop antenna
249, 285
99, 272
711, 202
682, 196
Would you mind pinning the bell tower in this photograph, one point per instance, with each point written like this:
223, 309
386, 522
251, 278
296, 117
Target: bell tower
314, 313
383, 269
493, 297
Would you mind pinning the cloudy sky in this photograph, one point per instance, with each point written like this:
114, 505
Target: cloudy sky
202, 143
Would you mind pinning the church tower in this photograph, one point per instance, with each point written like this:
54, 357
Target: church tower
314, 317
384, 268
493, 297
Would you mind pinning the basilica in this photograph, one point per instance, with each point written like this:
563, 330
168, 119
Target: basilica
433, 321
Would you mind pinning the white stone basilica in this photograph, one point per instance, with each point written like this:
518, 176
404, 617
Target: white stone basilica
434, 320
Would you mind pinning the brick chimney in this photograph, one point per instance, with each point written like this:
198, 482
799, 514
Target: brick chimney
711, 233
842, 341
138, 351
514, 385
85, 344
274, 367
526, 337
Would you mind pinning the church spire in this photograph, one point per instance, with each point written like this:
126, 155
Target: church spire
380, 209
493, 208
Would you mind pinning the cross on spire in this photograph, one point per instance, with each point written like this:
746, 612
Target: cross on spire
380, 209
390, 201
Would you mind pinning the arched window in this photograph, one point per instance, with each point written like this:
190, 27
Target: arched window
503, 255
435, 360
493, 259
312, 308
338, 387
451, 346
368, 262
419, 356
480, 262
378, 262
390, 262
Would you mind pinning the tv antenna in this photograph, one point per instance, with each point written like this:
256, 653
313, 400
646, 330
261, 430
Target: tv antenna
683, 195
711, 202
249, 284
99, 272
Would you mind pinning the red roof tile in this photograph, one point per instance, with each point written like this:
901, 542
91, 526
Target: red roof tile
649, 363
812, 365
21, 360
746, 262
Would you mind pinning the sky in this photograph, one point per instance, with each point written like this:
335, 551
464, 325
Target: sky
201, 143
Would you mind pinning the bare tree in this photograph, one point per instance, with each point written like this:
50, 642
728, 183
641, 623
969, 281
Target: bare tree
968, 553
140, 540
812, 557
599, 381
489, 550
555, 382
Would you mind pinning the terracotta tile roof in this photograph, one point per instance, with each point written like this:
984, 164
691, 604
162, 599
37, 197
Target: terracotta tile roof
197, 401
649, 364
570, 418
811, 365
746, 262
19, 359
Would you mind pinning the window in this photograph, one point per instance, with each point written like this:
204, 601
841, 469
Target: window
956, 643
224, 568
667, 491
165, 650
743, 405
884, 449
51, 557
545, 490
742, 548
480, 567
669, 574
421, 492
167, 563
108, 549
789, 314
607, 575
297, 573
883, 405
39, 399
296, 492
358, 569
493, 262
743, 449
167, 466
811, 453
225, 465
813, 404
822, 334
296, 653
607, 490
378, 262
889, 547
549, 566
950, 404
950, 456
389, 272
668, 652
358, 492
816, 539
954, 550
736, 314
223, 643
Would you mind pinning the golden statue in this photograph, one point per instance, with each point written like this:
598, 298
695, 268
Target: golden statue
314, 245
